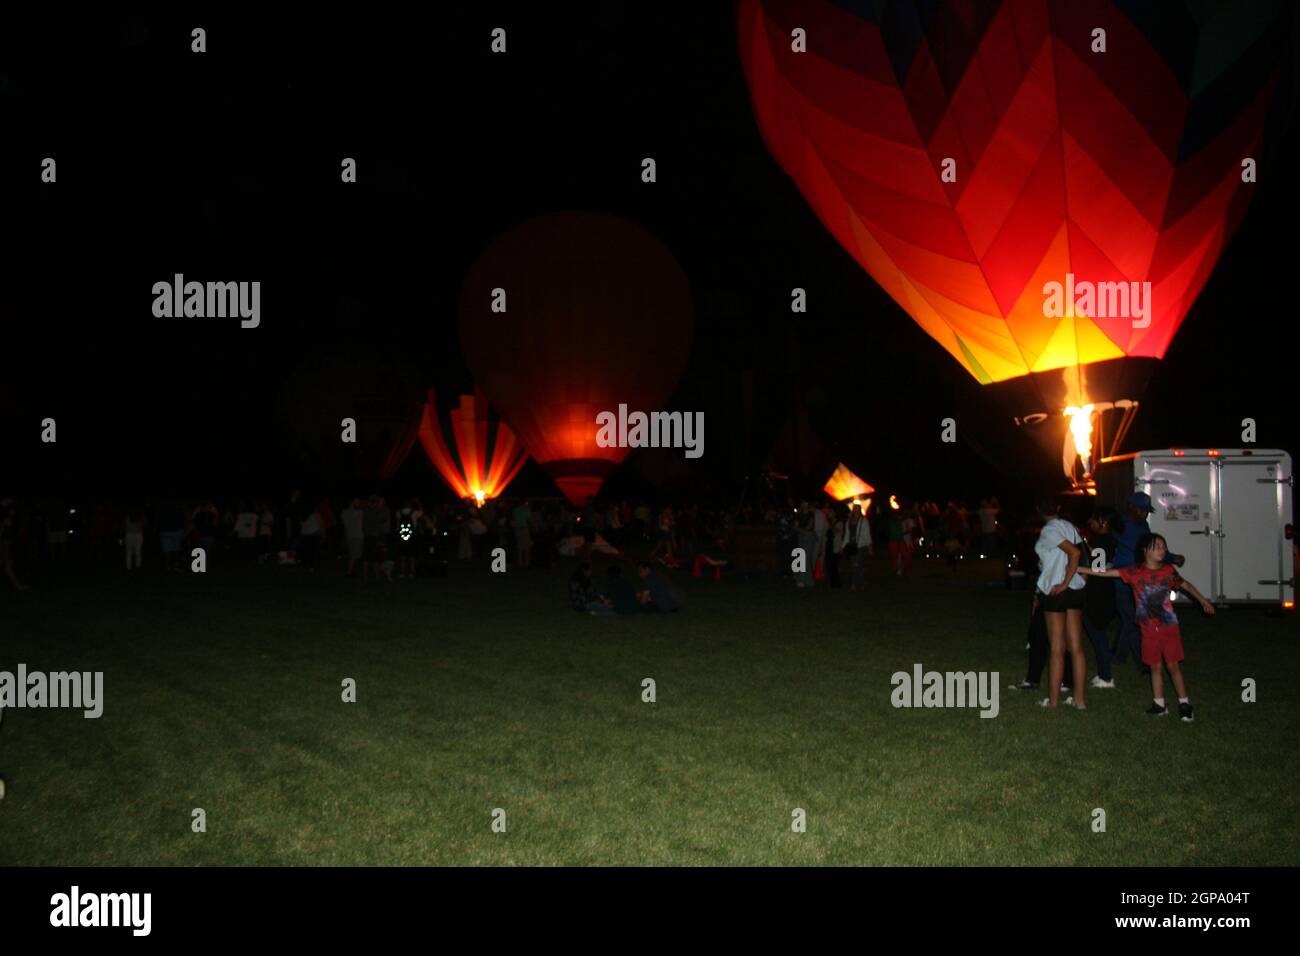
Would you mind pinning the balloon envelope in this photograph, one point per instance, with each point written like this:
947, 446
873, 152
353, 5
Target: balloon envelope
1064, 165
843, 484
597, 313
475, 459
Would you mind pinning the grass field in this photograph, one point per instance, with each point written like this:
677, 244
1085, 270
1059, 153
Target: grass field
483, 691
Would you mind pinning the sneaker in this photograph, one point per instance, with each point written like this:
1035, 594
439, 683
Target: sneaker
1069, 700
1155, 710
1045, 702
1079, 706
1185, 713
1098, 682
1065, 688
1023, 685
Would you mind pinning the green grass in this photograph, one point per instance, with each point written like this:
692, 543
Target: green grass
482, 691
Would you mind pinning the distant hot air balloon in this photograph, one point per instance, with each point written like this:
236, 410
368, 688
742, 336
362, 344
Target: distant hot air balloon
476, 459
377, 390
1013, 188
843, 484
569, 315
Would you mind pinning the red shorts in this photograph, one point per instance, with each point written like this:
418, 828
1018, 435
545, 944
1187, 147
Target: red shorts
1161, 641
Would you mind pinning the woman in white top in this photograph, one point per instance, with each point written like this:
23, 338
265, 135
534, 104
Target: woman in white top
1060, 595
856, 544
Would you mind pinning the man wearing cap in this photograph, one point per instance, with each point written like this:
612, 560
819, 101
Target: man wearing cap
1126, 539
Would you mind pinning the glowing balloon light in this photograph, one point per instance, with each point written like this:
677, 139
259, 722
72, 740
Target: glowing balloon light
1081, 432
476, 470
972, 156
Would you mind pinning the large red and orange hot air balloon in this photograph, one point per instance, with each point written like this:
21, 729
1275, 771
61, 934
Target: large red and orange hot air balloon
971, 153
569, 315
476, 455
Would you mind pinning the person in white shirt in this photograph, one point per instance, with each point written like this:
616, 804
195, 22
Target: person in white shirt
989, 509
354, 532
1060, 594
133, 538
856, 544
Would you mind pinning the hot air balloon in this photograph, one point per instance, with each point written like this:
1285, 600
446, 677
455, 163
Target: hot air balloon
1046, 211
568, 315
480, 460
377, 390
843, 484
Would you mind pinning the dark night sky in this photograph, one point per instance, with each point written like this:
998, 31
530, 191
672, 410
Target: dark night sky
225, 166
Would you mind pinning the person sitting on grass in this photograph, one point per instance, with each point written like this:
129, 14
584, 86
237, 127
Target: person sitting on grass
1152, 582
620, 592
656, 594
583, 595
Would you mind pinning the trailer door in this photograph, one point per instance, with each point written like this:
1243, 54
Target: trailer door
1184, 492
1250, 503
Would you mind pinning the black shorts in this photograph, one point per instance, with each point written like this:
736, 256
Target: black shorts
1067, 600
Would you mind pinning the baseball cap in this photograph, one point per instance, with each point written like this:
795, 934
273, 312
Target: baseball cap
1141, 500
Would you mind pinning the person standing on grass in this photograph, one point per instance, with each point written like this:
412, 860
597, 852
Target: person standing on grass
988, 517
309, 540
807, 542
133, 537
664, 537
1061, 597
1134, 528
378, 526
265, 530
900, 552
522, 520
171, 532
835, 550
246, 532
856, 545
353, 518
1099, 595
205, 520
820, 527
787, 536
1152, 582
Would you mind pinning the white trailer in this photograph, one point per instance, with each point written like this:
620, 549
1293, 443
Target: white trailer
1227, 510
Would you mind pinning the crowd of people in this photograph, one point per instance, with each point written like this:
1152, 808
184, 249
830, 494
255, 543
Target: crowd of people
839, 536
1113, 569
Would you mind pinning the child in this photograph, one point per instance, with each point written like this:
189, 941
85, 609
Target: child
1152, 580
